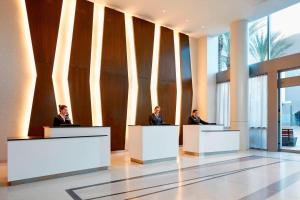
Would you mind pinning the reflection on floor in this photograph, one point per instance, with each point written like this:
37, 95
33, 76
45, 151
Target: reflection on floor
244, 175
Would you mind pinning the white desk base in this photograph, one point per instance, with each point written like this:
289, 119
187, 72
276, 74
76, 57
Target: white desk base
203, 139
35, 159
153, 143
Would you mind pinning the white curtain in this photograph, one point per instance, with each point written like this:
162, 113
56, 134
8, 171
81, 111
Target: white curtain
258, 102
223, 104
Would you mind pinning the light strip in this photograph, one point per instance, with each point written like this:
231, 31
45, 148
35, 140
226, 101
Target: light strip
62, 54
178, 77
132, 71
132, 74
95, 69
155, 62
30, 72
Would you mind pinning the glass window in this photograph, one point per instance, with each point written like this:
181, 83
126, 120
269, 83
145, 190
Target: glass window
290, 118
224, 51
258, 41
290, 73
285, 32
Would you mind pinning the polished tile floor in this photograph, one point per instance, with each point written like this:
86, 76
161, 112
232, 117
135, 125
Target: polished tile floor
244, 175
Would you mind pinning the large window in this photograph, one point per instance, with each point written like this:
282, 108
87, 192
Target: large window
224, 51
258, 41
275, 36
285, 32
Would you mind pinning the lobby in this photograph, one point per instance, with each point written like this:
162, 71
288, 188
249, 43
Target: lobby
110, 99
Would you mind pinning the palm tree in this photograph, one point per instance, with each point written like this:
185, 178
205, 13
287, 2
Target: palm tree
259, 44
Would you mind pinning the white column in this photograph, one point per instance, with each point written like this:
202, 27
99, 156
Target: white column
206, 74
239, 74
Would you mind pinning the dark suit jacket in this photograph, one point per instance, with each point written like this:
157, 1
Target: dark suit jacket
196, 120
153, 120
58, 121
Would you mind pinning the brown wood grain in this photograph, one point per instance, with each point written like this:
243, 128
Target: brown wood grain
144, 38
166, 87
43, 18
79, 69
114, 77
186, 81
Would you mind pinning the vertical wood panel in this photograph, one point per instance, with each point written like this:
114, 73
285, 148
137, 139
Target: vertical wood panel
186, 78
114, 77
144, 38
79, 70
166, 87
43, 17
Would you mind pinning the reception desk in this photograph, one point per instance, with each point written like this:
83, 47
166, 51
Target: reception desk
153, 143
202, 139
32, 159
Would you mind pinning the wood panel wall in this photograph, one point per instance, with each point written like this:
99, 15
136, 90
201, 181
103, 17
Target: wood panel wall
114, 77
43, 18
166, 87
144, 38
186, 81
79, 69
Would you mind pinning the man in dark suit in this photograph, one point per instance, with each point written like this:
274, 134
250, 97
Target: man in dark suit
63, 117
155, 118
195, 119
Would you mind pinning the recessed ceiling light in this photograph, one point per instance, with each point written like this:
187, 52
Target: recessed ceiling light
163, 11
202, 27
187, 20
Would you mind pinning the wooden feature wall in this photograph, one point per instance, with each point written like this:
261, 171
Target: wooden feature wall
79, 69
144, 38
114, 77
186, 81
43, 18
166, 88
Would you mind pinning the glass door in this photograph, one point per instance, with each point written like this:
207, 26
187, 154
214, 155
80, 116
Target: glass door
289, 115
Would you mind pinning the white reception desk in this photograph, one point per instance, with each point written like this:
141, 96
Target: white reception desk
153, 143
198, 139
32, 159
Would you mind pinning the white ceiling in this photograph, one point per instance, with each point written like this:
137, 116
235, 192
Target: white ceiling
198, 17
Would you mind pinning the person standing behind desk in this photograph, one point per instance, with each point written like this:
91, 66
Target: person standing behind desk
195, 119
63, 117
155, 118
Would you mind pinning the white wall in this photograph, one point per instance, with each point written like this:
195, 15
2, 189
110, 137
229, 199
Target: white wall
16, 77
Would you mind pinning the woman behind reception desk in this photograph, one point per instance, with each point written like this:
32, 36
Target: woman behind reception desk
63, 117
155, 118
195, 119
